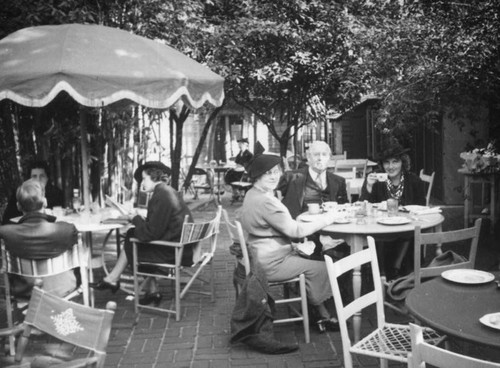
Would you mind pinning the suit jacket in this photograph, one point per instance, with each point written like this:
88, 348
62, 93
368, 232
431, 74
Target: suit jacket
37, 236
413, 192
293, 183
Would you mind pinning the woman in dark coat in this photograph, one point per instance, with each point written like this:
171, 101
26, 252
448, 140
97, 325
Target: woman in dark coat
165, 216
402, 185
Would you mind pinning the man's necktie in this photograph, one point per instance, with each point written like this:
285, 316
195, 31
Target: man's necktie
320, 182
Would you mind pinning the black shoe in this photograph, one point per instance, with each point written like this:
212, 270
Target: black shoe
104, 285
149, 298
328, 325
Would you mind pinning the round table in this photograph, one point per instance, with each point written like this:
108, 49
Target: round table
355, 235
454, 309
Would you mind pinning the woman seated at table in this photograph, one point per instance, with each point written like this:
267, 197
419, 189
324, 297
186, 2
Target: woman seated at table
270, 227
402, 185
164, 220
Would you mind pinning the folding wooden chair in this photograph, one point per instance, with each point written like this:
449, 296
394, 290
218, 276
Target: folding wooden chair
423, 352
40, 269
237, 236
192, 232
72, 323
387, 340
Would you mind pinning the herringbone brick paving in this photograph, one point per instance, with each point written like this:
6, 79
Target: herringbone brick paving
201, 338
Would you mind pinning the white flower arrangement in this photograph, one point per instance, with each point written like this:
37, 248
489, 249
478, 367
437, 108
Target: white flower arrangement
481, 160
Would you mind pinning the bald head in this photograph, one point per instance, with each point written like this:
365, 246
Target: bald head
31, 196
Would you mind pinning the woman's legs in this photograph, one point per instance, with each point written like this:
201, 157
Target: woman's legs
116, 272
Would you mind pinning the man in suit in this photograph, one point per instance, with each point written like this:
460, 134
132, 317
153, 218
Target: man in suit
38, 236
38, 170
312, 184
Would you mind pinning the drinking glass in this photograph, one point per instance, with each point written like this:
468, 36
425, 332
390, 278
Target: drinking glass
392, 207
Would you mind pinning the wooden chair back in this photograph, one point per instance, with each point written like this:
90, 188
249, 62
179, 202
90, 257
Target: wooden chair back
468, 237
423, 353
429, 179
238, 238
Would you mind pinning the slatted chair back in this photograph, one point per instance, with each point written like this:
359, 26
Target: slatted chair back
468, 237
76, 324
192, 232
423, 353
429, 179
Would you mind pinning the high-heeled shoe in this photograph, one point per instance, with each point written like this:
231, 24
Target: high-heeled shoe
331, 324
104, 285
149, 298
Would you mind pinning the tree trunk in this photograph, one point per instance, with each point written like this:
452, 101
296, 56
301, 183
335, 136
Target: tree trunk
200, 145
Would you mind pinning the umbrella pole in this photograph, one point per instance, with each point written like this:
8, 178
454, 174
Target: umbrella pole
85, 159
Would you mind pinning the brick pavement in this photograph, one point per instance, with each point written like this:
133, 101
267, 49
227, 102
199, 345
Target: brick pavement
201, 338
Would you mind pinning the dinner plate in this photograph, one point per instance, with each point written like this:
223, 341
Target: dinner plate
308, 217
396, 220
341, 221
491, 320
467, 276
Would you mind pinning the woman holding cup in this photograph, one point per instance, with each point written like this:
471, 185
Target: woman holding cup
399, 187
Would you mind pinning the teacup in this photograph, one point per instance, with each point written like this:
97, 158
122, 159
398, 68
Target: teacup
382, 176
314, 208
329, 206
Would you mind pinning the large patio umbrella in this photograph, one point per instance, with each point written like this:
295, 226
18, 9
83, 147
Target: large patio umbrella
97, 66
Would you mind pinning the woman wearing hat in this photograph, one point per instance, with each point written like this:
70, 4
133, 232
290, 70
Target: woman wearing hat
270, 227
165, 216
402, 185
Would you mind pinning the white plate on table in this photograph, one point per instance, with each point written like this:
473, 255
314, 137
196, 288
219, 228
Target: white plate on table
341, 221
308, 217
467, 276
491, 320
396, 220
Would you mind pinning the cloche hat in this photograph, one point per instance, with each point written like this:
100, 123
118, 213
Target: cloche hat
260, 164
394, 150
150, 165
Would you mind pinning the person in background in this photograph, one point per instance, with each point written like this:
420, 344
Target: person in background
237, 174
270, 228
313, 184
38, 236
244, 156
37, 170
165, 216
402, 185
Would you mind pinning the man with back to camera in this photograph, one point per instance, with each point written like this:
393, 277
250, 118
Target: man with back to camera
38, 236
38, 170
312, 184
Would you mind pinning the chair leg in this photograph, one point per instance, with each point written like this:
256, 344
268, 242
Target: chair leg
305, 312
177, 294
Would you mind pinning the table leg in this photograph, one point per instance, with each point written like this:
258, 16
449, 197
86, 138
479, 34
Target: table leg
493, 203
357, 243
467, 200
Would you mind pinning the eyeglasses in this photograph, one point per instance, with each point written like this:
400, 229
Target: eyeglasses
273, 172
